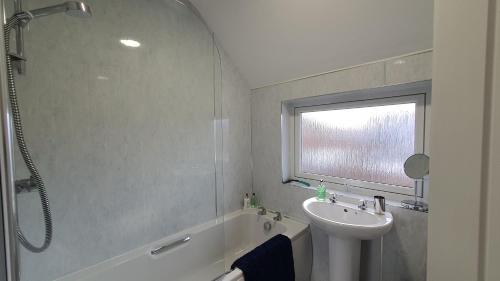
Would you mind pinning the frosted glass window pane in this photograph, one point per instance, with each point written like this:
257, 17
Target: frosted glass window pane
368, 143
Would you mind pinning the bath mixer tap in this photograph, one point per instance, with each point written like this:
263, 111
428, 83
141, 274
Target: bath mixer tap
262, 211
278, 216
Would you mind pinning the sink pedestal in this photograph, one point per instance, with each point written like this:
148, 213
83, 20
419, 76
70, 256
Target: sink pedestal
344, 258
346, 225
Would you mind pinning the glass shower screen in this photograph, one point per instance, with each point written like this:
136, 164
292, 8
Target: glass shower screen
122, 115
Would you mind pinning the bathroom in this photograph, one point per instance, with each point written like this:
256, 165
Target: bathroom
175, 139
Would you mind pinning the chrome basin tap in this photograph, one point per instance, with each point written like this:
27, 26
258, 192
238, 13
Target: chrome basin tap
333, 198
278, 217
262, 211
363, 204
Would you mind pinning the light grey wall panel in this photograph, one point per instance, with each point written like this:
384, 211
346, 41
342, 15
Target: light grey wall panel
236, 122
124, 137
405, 245
409, 69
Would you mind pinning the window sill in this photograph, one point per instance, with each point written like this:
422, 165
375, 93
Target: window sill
355, 194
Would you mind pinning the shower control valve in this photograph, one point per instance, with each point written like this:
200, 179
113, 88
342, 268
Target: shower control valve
25, 185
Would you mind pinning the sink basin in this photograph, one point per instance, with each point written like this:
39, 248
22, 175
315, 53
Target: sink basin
346, 220
346, 225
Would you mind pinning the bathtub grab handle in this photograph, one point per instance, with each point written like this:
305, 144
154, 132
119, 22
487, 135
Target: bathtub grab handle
170, 245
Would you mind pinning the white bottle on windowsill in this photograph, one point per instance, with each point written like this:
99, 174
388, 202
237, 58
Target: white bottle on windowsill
246, 201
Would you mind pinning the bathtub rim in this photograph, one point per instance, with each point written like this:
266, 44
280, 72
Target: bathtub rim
294, 229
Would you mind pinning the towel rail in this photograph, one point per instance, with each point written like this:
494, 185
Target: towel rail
171, 245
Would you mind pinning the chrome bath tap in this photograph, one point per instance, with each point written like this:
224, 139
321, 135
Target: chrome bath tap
278, 216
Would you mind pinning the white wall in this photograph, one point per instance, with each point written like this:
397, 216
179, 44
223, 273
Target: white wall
460, 144
273, 41
492, 223
405, 245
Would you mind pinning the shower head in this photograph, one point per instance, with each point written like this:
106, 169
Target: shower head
21, 18
71, 8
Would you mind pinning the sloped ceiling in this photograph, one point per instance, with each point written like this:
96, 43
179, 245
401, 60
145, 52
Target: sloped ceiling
272, 41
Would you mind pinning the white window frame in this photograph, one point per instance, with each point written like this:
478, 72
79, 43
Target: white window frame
420, 111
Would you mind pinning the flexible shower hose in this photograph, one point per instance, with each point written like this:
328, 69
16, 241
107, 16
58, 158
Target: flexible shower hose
16, 116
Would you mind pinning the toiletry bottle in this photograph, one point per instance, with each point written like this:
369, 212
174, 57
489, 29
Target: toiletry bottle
246, 201
253, 201
321, 191
379, 204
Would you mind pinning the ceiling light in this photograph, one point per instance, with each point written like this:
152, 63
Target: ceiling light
130, 43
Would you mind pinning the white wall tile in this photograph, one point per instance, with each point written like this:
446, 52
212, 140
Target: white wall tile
409, 69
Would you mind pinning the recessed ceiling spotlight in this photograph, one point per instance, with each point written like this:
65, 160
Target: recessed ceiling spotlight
130, 43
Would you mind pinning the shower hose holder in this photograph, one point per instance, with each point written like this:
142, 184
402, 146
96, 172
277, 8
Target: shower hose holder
26, 186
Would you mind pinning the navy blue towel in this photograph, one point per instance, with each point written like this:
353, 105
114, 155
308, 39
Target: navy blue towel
271, 261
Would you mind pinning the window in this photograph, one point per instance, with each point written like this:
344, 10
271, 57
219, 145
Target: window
361, 143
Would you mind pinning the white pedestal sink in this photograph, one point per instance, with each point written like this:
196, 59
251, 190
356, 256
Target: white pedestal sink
346, 226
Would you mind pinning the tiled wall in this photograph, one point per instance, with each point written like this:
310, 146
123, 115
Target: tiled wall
236, 122
404, 252
124, 137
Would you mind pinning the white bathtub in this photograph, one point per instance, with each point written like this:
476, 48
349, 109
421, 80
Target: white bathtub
211, 250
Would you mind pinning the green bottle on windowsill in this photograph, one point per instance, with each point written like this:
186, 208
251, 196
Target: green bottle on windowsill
321, 191
253, 201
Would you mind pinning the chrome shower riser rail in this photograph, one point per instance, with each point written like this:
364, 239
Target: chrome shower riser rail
16, 117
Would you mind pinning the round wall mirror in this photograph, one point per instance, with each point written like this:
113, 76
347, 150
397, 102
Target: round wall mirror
417, 166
